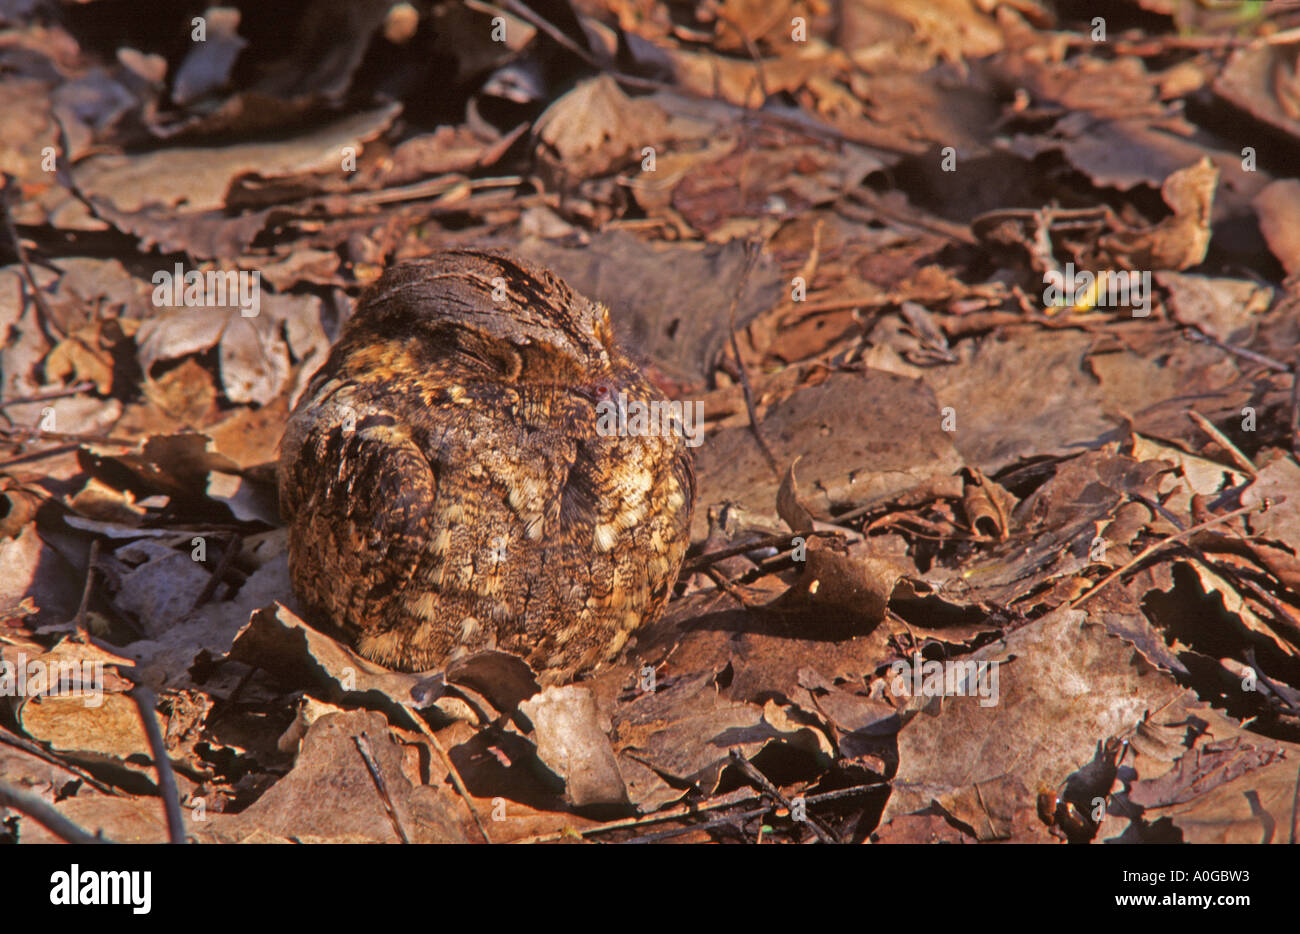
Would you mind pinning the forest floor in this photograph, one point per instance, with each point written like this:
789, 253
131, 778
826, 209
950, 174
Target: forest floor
992, 311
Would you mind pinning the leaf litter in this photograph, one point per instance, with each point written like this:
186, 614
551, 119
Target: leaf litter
968, 564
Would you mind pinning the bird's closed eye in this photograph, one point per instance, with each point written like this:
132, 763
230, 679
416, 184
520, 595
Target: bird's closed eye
487, 355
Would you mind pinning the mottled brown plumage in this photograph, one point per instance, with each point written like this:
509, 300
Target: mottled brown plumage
447, 487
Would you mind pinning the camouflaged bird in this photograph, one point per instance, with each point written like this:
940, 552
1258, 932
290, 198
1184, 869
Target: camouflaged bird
448, 488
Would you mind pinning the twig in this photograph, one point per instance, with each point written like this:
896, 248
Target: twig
1156, 546
731, 798
26, 435
431, 188
1295, 410
725, 585
368, 757
1281, 617
37, 455
825, 796
739, 761
1222, 440
46, 319
51, 394
751, 256
524, 13
232, 546
1196, 334
1277, 691
934, 225
700, 562
79, 621
146, 702
727, 820
48, 817
1295, 808
27, 746
760, 73
456, 781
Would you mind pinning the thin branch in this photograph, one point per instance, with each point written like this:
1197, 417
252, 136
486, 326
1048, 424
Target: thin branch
1295, 410
46, 318
730, 799
1295, 808
1222, 440
50, 394
368, 757
22, 436
727, 820
232, 546
79, 621
37, 455
526, 14
146, 703
758, 64
751, 256
700, 562
1156, 546
45, 815
727, 587
27, 746
1196, 334
739, 761
740, 796
453, 772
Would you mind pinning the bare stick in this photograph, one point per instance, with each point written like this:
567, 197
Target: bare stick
46, 319
1295, 808
455, 775
27, 746
368, 757
37, 455
233, 545
751, 256
1156, 546
79, 621
48, 395
1295, 409
45, 815
21, 436
739, 761
1196, 334
768, 541
1207, 426
731, 798
146, 702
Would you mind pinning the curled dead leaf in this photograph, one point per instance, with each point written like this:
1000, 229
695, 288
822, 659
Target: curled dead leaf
859, 586
789, 506
988, 505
